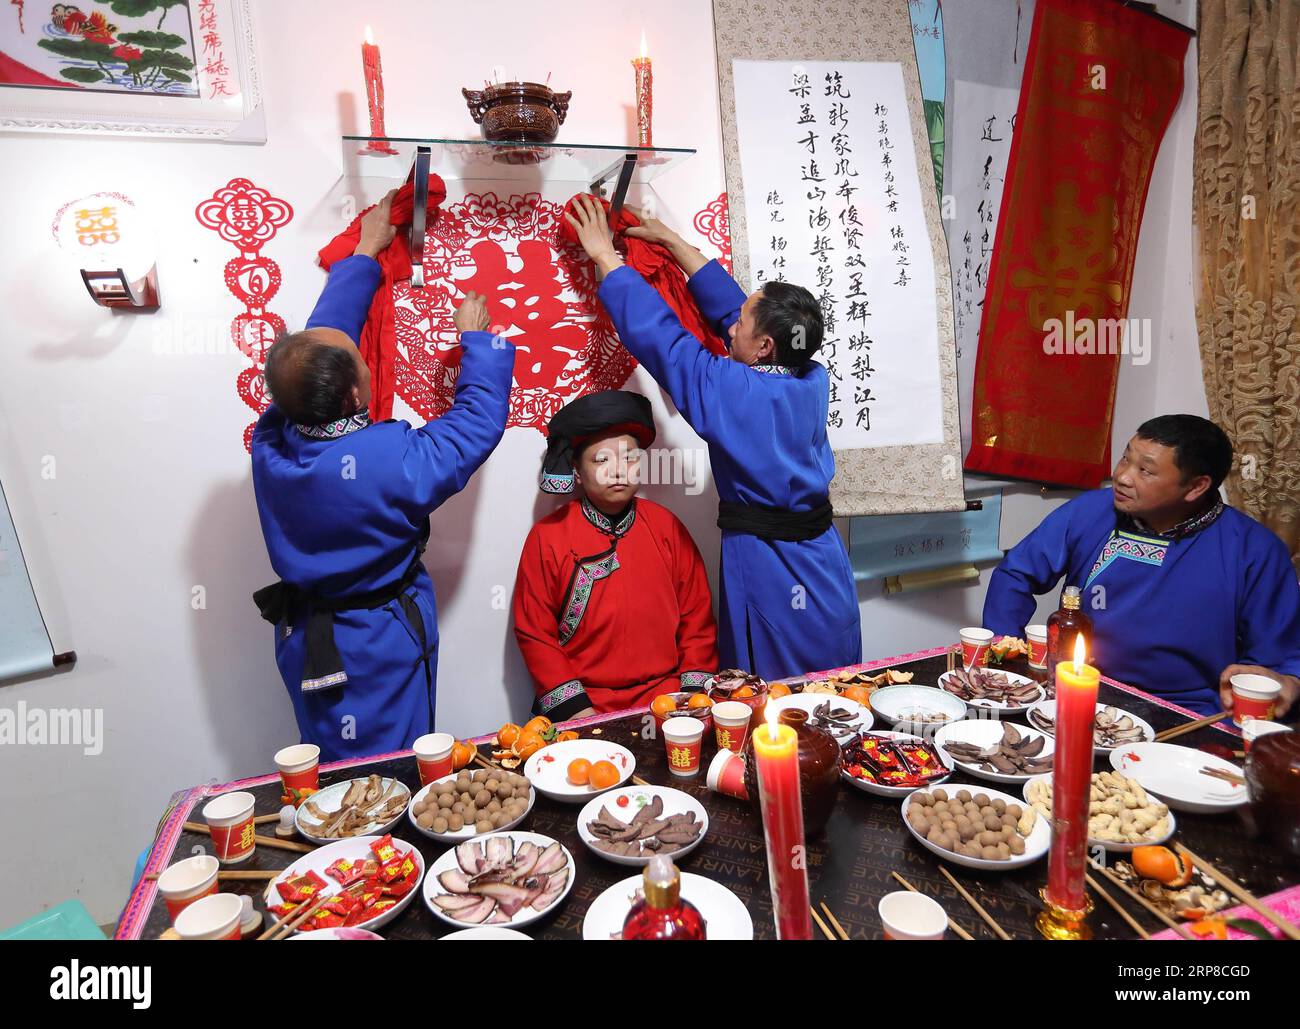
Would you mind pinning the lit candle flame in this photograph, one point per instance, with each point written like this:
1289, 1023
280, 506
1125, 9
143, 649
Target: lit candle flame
771, 714
643, 53
1080, 654
370, 37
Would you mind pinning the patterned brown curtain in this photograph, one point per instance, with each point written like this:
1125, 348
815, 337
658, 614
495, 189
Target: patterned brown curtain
1246, 203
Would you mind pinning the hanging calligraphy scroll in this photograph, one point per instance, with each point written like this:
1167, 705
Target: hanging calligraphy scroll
835, 84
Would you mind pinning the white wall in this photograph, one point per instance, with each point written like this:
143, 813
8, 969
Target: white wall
152, 494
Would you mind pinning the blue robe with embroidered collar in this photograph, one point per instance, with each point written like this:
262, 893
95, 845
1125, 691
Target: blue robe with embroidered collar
1169, 612
784, 607
343, 510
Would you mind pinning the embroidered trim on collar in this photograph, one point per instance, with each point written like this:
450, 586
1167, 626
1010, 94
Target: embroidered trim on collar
335, 430
772, 369
1189, 526
605, 523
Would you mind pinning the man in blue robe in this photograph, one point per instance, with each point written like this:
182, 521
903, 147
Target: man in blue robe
345, 504
787, 602
1183, 591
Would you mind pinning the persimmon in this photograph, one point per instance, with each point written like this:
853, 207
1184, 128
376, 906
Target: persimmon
579, 771
699, 700
507, 734
1162, 865
603, 775
664, 705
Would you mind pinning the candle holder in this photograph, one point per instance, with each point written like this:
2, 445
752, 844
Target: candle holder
644, 100
1057, 923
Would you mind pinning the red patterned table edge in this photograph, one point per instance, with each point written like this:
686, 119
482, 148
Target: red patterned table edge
137, 907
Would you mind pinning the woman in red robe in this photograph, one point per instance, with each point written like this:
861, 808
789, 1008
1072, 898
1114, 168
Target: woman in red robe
612, 604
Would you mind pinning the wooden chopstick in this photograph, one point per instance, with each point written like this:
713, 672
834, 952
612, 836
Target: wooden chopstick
951, 924
950, 657
979, 910
1231, 778
244, 876
262, 841
293, 919
266, 819
1242, 894
834, 921
820, 924
1132, 922
1179, 730
1182, 930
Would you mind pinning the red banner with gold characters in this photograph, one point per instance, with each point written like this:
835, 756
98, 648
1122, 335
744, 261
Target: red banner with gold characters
1101, 82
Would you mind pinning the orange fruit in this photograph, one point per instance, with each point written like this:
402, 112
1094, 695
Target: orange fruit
744, 693
777, 690
538, 725
664, 705
579, 771
462, 754
507, 734
861, 694
565, 736
699, 700
1162, 865
526, 746
603, 775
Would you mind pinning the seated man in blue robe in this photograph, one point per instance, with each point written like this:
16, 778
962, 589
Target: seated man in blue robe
787, 602
1183, 591
345, 505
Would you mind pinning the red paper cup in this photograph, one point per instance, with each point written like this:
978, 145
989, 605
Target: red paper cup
905, 915
975, 646
1253, 728
433, 756
731, 724
1254, 696
1036, 637
186, 881
684, 741
211, 918
230, 823
299, 767
727, 775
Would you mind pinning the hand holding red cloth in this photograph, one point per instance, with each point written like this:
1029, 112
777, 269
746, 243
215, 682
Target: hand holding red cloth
656, 265
378, 340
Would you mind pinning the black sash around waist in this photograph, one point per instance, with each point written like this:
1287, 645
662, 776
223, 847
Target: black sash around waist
281, 602
775, 523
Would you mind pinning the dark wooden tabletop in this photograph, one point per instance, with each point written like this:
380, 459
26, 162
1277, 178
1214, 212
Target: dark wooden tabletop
849, 868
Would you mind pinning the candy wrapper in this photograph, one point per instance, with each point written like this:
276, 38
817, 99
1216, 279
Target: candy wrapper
301, 887
893, 762
384, 849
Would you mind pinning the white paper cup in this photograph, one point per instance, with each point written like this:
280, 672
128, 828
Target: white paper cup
731, 721
433, 755
1254, 696
1253, 728
910, 916
684, 742
230, 823
974, 646
299, 766
211, 918
1036, 637
189, 879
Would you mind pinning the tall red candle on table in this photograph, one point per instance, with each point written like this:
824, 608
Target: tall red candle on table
777, 754
1076, 706
644, 96
374, 72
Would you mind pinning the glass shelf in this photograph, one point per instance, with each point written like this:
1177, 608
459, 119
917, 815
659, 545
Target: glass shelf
468, 159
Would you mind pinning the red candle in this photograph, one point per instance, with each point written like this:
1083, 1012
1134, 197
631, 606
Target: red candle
1076, 707
644, 95
777, 752
374, 72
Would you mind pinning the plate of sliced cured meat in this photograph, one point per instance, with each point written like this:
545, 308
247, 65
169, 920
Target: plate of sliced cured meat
509, 878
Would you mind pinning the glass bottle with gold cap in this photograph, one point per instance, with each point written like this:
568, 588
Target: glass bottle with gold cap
1063, 627
662, 913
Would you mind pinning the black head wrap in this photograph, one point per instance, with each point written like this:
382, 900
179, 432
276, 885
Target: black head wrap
596, 414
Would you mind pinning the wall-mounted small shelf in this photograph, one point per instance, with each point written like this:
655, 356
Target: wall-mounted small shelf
411, 159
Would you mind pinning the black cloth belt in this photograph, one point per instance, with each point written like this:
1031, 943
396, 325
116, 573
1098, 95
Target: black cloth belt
775, 523
322, 663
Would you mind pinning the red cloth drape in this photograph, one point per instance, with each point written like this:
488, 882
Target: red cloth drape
378, 340
658, 268
1101, 82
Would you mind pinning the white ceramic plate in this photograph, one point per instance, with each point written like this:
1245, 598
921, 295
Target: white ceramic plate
899, 705
1112, 845
725, 914
860, 719
1036, 844
985, 732
467, 832
526, 916
339, 932
486, 932
331, 799
1173, 774
675, 803
354, 848
1048, 708
548, 771
897, 792
989, 707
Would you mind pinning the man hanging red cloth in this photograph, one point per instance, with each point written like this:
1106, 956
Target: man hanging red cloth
657, 267
379, 335
1100, 85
